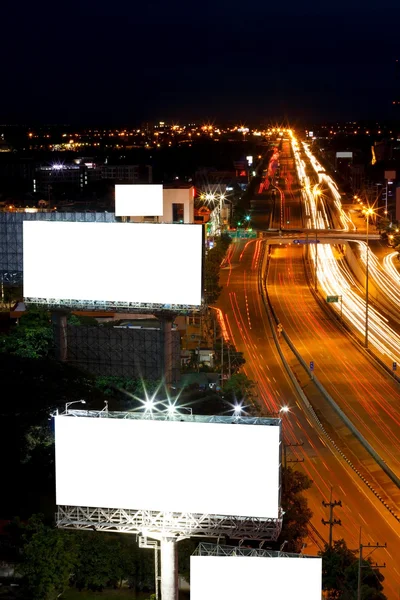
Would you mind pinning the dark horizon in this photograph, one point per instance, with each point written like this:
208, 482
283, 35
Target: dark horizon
130, 64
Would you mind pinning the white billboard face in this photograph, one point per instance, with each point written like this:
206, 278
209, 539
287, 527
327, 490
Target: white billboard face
138, 200
240, 577
178, 466
113, 262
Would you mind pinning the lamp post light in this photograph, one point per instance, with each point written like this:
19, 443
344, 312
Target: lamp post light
171, 410
368, 213
149, 405
68, 404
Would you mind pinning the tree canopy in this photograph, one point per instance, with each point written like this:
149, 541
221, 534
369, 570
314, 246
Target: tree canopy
340, 575
31, 338
212, 265
297, 514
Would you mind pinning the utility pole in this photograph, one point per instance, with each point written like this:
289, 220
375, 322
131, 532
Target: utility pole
368, 565
291, 460
331, 522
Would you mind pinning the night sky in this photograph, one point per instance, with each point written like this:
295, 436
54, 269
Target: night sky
126, 62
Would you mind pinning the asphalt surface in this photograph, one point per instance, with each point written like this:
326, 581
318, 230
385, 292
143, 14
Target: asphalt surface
369, 398
247, 324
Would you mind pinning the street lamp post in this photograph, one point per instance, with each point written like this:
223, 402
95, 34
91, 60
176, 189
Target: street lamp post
68, 404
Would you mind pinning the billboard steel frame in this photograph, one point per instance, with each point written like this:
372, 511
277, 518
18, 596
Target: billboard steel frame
207, 549
110, 305
156, 524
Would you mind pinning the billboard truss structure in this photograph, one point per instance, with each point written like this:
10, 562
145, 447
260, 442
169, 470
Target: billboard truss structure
179, 525
207, 549
111, 306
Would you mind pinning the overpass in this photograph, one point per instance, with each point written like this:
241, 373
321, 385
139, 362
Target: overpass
331, 236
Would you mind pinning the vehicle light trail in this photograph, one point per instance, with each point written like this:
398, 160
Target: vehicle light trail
387, 283
334, 276
389, 267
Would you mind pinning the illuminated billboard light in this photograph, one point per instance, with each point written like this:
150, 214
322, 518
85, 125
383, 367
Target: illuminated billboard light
173, 466
135, 200
344, 154
240, 577
112, 262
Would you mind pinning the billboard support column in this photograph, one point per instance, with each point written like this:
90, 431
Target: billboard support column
59, 321
169, 568
166, 321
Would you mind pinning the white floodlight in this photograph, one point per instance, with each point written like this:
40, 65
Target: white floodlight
149, 404
238, 409
172, 410
284, 409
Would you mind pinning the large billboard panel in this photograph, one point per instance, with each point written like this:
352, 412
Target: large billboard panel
113, 262
240, 577
136, 200
173, 466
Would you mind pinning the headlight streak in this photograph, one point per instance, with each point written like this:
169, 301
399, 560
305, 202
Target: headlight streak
324, 178
388, 284
334, 276
390, 269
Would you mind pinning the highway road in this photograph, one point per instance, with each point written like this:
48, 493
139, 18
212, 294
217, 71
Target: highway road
291, 210
368, 396
247, 325
334, 275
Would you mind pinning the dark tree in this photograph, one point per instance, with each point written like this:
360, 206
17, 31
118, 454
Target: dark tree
296, 512
48, 560
340, 575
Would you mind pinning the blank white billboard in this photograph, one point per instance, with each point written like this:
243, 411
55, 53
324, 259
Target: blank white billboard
135, 200
242, 577
178, 466
113, 262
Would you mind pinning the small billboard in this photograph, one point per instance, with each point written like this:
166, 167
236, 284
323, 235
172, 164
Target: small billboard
242, 577
136, 200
